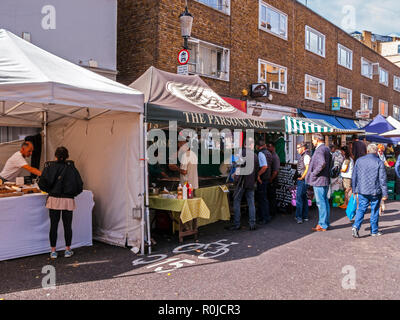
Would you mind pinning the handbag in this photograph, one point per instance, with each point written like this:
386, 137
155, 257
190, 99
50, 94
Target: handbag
352, 207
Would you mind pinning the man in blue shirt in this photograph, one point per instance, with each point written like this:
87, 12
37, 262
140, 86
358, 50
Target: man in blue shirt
369, 183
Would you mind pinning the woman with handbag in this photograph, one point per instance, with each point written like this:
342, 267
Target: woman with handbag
62, 181
346, 173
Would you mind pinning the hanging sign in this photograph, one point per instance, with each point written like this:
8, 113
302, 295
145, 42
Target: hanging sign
336, 103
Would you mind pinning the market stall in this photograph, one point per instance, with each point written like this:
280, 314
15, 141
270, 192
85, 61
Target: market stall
97, 119
188, 102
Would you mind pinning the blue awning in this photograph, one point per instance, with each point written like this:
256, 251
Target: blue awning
330, 119
347, 123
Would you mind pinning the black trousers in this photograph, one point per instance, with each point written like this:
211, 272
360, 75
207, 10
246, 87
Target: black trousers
271, 195
67, 222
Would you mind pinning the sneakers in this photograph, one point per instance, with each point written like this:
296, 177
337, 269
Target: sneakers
376, 234
53, 255
252, 228
354, 232
232, 228
299, 221
68, 253
305, 220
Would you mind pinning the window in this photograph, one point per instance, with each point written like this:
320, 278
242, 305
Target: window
220, 5
396, 83
383, 108
367, 103
383, 77
314, 89
273, 74
366, 68
208, 60
345, 57
346, 96
396, 112
315, 41
273, 21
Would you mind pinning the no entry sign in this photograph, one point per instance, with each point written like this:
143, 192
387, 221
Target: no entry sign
183, 57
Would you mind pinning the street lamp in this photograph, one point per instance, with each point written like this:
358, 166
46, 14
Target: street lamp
186, 20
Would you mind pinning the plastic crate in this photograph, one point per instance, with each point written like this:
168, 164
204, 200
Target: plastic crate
397, 197
391, 184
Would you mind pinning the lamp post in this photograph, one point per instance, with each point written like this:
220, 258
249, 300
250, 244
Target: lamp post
186, 20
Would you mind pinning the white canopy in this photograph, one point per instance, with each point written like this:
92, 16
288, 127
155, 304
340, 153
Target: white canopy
33, 80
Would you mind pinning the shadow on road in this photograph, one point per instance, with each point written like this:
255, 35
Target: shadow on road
101, 261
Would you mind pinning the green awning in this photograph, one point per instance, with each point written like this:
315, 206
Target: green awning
304, 125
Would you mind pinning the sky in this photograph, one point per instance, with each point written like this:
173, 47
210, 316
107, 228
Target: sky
378, 16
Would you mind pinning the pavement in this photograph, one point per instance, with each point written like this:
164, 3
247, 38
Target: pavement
281, 260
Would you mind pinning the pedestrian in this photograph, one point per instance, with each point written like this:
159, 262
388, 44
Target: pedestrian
246, 182
62, 181
397, 167
273, 181
337, 162
369, 185
318, 176
381, 155
263, 180
301, 191
358, 148
346, 173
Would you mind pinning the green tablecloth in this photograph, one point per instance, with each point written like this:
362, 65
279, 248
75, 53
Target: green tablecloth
217, 201
188, 209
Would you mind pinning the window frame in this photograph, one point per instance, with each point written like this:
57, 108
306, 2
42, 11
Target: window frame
372, 68
372, 102
261, 3
227, 11
342, 47
305, 88
398, 112
387, 76
394, 83
386, 110
226, 54
260, 62
351, 97
310, 29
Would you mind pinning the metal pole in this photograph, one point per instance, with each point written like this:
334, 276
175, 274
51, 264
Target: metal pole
44, 136
146, 180
142, 159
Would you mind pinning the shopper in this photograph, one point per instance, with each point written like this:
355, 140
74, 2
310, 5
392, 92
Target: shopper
273, 181
369, 184
358, 148
346, 173
245, 186
301, 192
263, 180
318, 176
397, 167
62, 181
381, 155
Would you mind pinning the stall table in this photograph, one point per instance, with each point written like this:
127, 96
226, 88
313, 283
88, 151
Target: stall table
25, 225
186, 210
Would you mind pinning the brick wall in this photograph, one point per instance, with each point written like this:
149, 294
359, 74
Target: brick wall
149, 34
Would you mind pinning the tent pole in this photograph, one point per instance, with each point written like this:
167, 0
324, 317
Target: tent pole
143, 194
146, 178
44, 135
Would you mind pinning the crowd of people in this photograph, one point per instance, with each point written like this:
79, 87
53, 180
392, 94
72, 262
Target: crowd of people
360, 169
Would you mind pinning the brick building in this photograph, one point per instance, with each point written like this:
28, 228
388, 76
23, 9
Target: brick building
305, 58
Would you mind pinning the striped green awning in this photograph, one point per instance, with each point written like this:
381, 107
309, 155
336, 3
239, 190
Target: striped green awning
303, 125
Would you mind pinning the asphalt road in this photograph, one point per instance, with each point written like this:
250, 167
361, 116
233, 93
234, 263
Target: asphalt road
281, 260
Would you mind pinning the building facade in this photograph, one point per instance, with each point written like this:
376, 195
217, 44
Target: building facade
82, 32
306, 59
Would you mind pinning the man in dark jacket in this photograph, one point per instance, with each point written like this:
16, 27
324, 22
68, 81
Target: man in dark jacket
263, 182
369, 183
301, 191
245, 186
273, 181
318, 176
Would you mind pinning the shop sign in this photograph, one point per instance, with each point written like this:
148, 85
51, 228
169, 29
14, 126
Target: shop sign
363, 114
335, 103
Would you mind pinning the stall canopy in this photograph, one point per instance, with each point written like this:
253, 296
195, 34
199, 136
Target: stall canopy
97, 119
191, 102
295, 125
338, 122
33, 81
378, 126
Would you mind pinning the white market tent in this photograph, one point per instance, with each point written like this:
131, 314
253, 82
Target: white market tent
99, 120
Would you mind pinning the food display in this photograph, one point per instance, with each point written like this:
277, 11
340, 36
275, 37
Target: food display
10, 189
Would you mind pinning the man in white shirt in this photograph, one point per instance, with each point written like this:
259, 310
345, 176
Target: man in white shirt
16, 164
301, 191
188, 169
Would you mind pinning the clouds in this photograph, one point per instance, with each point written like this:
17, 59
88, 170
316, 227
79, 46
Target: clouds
377, 16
